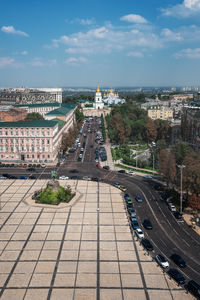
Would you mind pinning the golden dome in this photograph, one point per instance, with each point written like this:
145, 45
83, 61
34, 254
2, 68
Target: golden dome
98, 90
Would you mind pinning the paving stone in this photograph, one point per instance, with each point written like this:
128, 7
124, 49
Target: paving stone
132, 281
64, 280
66, 294
19, 280
135, 294
110, 294
109, 267
36, 294
14, 294
85, 294
110, 280
25, 267
84, 280
41, 280
45, 267
87, 267
67, 267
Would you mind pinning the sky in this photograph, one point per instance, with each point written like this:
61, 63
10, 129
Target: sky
79, 43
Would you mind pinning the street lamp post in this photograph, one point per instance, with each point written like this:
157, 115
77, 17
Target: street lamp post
181, 167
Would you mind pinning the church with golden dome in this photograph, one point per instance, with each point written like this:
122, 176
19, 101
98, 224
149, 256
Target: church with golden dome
109, 98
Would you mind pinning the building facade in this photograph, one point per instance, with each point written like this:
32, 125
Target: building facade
112, 98
30, 96
160, 112
98, 103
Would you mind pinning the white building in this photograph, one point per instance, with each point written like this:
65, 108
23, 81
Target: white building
98, 103
112, 98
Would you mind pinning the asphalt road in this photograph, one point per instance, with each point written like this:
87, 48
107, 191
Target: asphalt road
168, 235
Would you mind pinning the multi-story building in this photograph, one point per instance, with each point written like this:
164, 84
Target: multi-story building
35, 141
11, 114
30, 96
160, 112
190, 126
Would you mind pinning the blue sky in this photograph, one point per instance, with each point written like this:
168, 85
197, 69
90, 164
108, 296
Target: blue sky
82, 42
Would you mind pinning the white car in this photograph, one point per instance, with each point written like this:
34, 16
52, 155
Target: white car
86, 178
131, 173
148, 176
139, 233
172, 208
2, 177
43, 165
63, 177
161, 260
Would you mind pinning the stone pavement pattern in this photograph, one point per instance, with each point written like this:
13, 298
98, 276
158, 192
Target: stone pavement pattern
84, 251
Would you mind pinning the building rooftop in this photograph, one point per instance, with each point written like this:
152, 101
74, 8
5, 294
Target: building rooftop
54, 104
61, 123
37, 123
61, 111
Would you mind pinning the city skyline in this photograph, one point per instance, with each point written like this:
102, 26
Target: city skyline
55, 43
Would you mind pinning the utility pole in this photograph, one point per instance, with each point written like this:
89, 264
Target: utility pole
181, 167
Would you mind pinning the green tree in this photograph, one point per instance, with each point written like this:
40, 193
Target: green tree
33, 116
79, 115
181, 151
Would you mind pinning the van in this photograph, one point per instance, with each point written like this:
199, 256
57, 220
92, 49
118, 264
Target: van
194, 288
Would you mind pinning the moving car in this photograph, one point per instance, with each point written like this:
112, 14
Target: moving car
177, 259
194, 288
147, 224
176, 275
161, 260
106, 167
122, 171
138, 198
131, 173
147, 244
63, 177
139, 233
22, 177
74, 171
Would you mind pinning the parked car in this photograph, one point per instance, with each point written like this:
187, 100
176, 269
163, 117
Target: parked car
194, 288
138, 198
177, 215
86, 178
117, 184
131, 173
130, 209
176, 275
96, 179
134, 224
32, 177
22, 177
43, 165
161, 260
3, 177
147, 176
172, 207
147, 244
139, 233
126, 196
147, 224
129, 201
177, 259
63, 177
122, 188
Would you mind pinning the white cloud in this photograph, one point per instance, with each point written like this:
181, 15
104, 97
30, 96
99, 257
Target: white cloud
76, 60
24, 52
184, 10
82, 21
6, 61
39, 62
132, 18
188, 53
106, 39
136, 54
169, 35
12, 30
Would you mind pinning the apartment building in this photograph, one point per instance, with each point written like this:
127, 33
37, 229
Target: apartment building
160, 112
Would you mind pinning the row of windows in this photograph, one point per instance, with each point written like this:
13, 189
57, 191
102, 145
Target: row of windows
38, 156
26, 149
26, 132
27, 141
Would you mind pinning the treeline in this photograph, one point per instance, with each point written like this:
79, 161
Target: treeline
181, 154
129, 123
103, 128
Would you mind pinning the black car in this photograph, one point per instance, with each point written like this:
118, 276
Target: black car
194, 288
106, 167
147, 224
176, 275
96, 179
147, 244
122, 171
74, 171
177, 259
31, 169
32, 177
177, 215
75, 177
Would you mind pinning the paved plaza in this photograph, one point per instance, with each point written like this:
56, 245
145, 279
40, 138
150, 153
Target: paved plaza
80, 251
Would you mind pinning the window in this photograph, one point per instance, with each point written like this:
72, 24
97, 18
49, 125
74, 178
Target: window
43, 149
27, 133
6, 132
17, 149
16, 141
11, 132
16, 132
27, 155
48, 156
38, 141
43, 156
32, 132
1, 149
32, 155
22, 148
32, 148
1, 132
48, 142
38, 156
0, 141
6, 149
11, 141
11, 149
32, 142
42, 142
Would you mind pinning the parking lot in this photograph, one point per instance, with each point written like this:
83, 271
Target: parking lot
80, 251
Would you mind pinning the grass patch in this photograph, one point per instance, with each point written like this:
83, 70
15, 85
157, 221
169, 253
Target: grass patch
48, 196
133, 169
